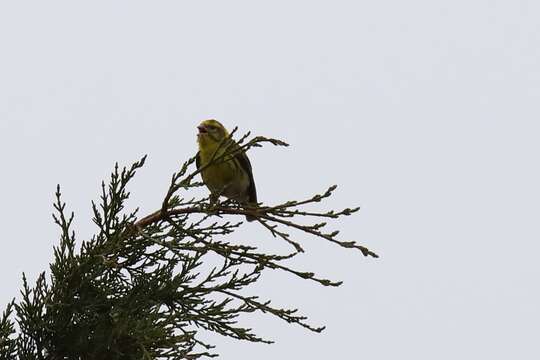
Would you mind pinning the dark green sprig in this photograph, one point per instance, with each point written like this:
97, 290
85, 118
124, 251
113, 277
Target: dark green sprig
8, 342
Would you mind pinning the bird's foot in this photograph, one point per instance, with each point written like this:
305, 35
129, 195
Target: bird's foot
213, 200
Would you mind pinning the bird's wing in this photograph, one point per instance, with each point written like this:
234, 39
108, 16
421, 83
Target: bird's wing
243, 160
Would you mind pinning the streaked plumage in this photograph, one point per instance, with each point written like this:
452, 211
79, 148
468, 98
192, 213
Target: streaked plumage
232, 178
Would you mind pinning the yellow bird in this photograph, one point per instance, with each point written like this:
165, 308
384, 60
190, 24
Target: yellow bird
232, 178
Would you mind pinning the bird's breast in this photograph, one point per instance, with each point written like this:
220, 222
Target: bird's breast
227, 179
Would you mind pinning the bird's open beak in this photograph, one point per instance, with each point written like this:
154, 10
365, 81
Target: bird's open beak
202, 129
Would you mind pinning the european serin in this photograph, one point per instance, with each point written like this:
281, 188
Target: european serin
231, 177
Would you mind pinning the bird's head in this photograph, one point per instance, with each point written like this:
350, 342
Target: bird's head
211, 132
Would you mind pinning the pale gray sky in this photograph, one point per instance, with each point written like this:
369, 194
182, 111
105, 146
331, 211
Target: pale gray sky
425, 112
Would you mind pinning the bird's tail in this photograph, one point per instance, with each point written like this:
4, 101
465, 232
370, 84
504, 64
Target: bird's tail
251, 204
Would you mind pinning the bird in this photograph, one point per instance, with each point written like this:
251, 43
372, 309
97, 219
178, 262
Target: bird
231, 176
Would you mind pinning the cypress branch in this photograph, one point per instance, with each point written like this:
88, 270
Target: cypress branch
144, 287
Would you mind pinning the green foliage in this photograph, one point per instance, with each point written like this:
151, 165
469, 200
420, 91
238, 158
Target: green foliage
143, 288
8, 345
